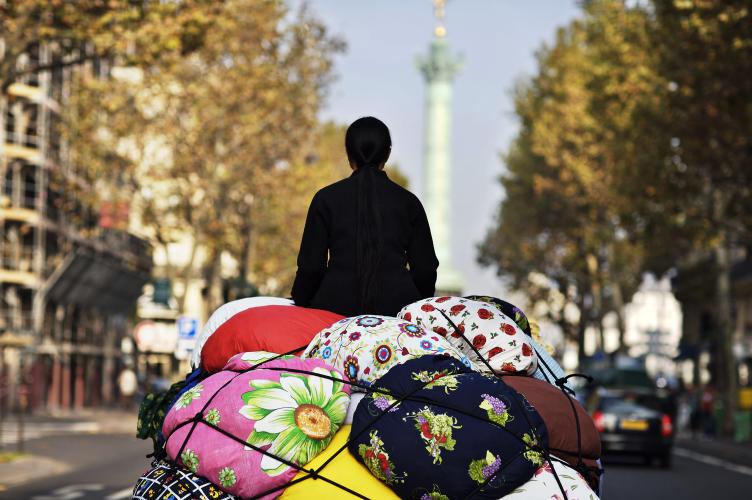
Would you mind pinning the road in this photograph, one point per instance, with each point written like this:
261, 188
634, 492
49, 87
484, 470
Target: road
692, 476
106, 467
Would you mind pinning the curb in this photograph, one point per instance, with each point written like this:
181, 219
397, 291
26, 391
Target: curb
82, 423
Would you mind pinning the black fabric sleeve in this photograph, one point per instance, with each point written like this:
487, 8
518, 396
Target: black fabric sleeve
421, 255
312, 258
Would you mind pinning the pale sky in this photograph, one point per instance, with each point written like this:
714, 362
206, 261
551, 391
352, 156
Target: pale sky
378, 76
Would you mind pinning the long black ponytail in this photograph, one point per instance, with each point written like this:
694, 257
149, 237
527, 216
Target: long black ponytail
368, 144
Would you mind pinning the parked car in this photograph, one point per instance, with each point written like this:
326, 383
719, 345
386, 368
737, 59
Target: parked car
623, 377
634, 421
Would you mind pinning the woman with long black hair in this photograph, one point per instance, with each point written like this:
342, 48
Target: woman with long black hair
366, 245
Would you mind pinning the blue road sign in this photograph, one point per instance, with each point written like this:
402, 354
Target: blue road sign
187, 327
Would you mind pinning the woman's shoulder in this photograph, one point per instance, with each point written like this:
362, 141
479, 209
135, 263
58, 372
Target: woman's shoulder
404, 194
334, 188
385, 186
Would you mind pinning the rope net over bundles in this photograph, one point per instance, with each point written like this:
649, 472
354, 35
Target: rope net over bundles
535, 445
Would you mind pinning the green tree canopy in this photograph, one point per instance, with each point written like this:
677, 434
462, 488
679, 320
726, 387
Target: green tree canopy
633, 155
198, 143
562, 216
143, 31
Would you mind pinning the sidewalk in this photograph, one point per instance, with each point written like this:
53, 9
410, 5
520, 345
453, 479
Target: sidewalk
30, 467
724, 449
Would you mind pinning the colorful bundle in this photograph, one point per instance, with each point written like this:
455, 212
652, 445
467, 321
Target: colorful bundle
438, 403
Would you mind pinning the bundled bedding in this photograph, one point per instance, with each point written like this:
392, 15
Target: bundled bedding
365, 348
434, 426
488, 336
277, 329
447, 400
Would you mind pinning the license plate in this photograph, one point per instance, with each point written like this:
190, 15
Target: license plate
634, 425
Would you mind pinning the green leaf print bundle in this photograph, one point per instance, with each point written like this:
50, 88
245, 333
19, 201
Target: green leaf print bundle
249, 427
496, 409
443, 379
377, 460
436, 431
483, 469
296, 416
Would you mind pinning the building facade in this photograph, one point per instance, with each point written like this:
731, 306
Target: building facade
69, 278
694, 287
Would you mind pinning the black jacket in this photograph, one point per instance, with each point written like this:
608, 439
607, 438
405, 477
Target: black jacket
327, 263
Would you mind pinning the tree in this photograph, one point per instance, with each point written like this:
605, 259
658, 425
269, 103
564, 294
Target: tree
563, 217
87, 29
705, 187
634, 156
196, 143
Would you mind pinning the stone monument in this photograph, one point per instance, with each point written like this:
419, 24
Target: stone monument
439, 68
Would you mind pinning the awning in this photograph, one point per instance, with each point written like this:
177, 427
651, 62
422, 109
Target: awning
97, 280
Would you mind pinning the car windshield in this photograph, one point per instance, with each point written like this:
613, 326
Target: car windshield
631, 402
624, 378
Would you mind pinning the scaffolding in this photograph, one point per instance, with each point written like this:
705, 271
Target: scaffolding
67, 286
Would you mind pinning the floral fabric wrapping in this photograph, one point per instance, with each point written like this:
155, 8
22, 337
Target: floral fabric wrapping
496, 336
543, 485
152, 412
514, 312
548, 368
272, 406
366, 347
444, 431
167, 481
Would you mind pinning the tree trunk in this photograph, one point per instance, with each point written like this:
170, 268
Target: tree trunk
601, 335
245, 257
618, 300
617, 297
581, 326
727, 371
726, 365
187, 274
214, 283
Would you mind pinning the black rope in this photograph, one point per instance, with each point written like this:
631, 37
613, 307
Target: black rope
199, 418
315, 476
229, 381
410, 396
488, 364
533, 428
543, 372
350, 439
560, 383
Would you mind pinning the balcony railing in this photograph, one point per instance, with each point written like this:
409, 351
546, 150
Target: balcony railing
22, 260
20, 321
27, 140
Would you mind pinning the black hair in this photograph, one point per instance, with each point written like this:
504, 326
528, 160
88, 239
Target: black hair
368, 144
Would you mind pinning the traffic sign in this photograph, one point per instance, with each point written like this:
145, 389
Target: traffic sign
187, 327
